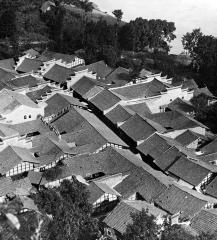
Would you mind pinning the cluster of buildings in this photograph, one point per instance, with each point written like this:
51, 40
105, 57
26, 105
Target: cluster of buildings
133, 142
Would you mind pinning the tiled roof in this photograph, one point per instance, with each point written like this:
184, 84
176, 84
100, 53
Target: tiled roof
26, 81
174, 200
94, 192
49, 55
10, 100
105, 100
142, 182
154, 146
7, 64
141, 90
120, 216
210, 147
205, 221
203, 90
100, 68
175, 120
119, 114
109, 161
29, 65
137, 128
59, 74
101, 127
190, 84
35, 177
6, 186
211, 189
58, 102
6, 76
38, 94
12, 156
187, 138
119, 76
141, 108
83, 86
181, 105
189, 171
7, 131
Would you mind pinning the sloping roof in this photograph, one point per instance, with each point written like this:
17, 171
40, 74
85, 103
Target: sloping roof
142, 182
83, 86
28, 203
10, 100
211, 189
168, 158
210, 147
154, 146
7, 131
100, 68
119, 114
141, 90
175, 120
187, 138
137, 128
105, 100
12, 156
26, 81
101, 127
109, 162
190, 84
35, 177
120, 216
49, 55
32, 52
29, 65
58, 102
6, 186
94, 192
38, 94
205, 221
119, 76
141, 108
7, 64
189, 171
59, 74
203, 90
174, 200
181, 105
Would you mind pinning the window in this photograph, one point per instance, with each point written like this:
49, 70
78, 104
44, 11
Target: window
109, 232
25, 117
30, 116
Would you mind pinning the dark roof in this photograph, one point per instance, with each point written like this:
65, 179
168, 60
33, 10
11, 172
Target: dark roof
205, 221
168, 158
119, 114
205, 91
210, 147
142, 182
154, 146
141, 90
181, 105
83, 86
189, 171
141, 108
59, 74
29, 65
119, 76
5, 76
37, 94
109, 162
49, 55
100, 68
190, 84
187, 138
174, 200
175, 120
32, 52
68, 121
211, 189
7, 64
26, 81
137, 128
105, 100
35, 177
12, 156
58, 102
94, 192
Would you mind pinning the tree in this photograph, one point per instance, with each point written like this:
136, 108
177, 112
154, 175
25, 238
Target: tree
118, 14
143, 226
190, 41
71, 212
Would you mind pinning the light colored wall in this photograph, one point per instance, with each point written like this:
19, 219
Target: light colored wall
104, 197
17, 116
20, 168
